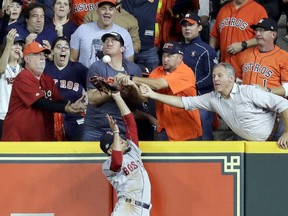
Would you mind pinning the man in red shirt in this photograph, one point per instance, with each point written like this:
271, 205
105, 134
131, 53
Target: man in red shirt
34, 98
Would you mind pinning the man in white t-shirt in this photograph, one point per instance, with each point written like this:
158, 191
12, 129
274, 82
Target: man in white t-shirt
86, 43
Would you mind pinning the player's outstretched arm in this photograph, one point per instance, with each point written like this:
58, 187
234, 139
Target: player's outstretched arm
175, 101
115, 129
124, 110
128, 118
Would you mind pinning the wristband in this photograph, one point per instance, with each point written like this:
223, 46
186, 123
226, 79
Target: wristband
117, 131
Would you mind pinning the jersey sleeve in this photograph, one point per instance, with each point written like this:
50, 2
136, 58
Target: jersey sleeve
116, 160
106, 169
131, 131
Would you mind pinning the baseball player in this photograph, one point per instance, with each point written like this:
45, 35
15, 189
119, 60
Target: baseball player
124, 168
232, 32
266, 64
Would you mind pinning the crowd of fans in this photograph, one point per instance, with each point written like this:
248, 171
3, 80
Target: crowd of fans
170, 45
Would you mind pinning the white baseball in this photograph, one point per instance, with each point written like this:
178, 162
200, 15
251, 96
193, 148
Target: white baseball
106, 59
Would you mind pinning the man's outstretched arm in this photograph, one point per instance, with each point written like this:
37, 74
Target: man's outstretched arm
175, 101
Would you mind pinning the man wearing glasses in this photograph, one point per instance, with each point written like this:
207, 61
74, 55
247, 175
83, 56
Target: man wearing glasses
231, 32
265, 65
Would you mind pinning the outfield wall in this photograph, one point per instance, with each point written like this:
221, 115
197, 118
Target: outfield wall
188, 178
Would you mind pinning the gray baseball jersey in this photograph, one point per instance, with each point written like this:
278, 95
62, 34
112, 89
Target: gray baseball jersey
131, 182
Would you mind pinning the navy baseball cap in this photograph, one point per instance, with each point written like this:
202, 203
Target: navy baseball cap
106, 141
173, 47
18, 1
18, 39
266, 23
115, 35
191, 18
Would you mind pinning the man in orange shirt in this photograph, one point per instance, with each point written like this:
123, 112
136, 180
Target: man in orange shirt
266, 64
172, 78
232, 32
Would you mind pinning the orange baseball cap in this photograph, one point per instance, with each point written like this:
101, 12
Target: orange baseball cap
35, 47
113, 2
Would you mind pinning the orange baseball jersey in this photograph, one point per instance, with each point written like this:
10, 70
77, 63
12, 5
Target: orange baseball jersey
268, 69
79, 8
179, 124
233, 25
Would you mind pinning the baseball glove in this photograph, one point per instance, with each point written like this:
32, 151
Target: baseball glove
104, 85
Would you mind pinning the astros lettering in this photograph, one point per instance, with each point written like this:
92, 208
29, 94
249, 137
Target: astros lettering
233, 22
257, 68
84, 7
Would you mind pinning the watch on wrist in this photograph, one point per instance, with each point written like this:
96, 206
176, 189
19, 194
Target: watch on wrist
244, 45
131, 77
269, 90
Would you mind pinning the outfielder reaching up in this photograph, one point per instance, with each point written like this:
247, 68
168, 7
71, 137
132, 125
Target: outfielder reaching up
124, 168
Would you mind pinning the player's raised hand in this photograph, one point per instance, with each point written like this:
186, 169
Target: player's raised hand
112, 123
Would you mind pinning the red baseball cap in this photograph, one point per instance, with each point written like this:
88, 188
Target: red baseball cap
35, 47
113, 2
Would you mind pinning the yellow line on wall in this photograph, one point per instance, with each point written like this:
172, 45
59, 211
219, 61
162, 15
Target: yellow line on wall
146, 147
